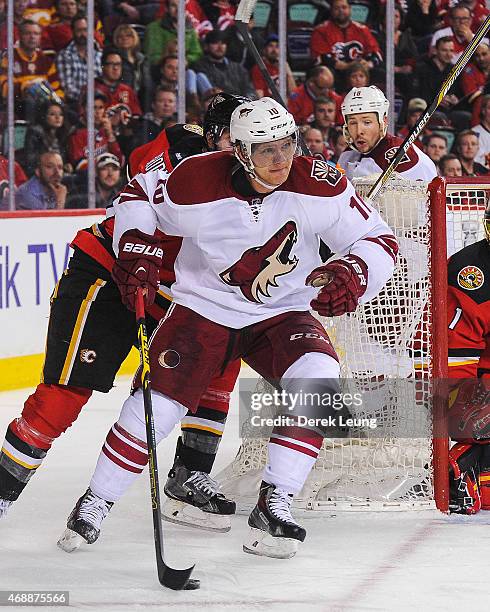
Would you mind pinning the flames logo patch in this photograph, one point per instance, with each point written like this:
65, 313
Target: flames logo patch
470, 278
259, 267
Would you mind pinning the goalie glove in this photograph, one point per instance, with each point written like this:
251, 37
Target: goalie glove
344, 282
137, 265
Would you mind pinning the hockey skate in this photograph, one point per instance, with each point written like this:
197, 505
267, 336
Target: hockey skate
274, 532
4, 506
83, 524
195, 499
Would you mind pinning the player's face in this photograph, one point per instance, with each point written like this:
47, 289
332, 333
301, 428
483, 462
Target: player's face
365, 131
325, 115
272, 160
452, 168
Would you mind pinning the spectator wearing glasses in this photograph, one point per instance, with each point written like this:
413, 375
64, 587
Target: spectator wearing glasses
449, 165
459, 30
318, 84
111, 85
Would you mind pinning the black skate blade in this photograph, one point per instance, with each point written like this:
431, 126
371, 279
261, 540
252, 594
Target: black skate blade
178, 580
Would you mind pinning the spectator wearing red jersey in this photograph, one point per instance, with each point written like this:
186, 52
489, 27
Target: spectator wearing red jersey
105, 138
32, 68
58, 34
467, 147
319, 83
339, 41
19, 179
459, 30
476, 74
19, 8
110, 85
477, 7
270, 55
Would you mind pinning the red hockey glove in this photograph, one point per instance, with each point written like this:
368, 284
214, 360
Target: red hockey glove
138, 265
344, 282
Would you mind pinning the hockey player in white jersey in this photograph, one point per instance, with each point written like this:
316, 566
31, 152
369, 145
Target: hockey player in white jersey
251, 224
365, 112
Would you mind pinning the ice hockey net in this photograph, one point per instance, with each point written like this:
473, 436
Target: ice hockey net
393, 349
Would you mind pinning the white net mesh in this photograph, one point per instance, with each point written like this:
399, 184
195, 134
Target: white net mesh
385, 350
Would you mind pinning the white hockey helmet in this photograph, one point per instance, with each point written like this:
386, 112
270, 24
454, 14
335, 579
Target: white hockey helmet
259, 121
365, 100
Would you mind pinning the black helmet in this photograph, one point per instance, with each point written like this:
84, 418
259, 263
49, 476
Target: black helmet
218, 115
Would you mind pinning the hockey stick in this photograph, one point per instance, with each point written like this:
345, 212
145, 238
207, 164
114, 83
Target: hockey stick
242, 18
168, 576
422, 122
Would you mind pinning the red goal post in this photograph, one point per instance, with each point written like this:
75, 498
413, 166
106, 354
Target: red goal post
395, 349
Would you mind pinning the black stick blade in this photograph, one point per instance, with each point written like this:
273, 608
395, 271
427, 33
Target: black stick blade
176, 579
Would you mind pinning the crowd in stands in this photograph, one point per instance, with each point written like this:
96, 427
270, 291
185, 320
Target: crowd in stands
136, 80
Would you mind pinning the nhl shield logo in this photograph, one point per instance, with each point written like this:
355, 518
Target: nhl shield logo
322, 171
470, 278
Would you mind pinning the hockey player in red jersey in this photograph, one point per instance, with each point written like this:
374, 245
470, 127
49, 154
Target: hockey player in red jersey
469, 366
365, 111
245, 277
89, 335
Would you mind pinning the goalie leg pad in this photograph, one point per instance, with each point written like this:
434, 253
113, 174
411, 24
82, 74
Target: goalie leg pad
485, 477
464, 472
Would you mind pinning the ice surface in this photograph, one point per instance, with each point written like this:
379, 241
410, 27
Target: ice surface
366, 561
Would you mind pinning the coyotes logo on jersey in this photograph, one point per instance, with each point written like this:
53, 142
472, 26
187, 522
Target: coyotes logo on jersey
259, 267
323, 171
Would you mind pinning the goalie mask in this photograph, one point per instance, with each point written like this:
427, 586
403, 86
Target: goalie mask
257, 122
360, 100
218, 116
